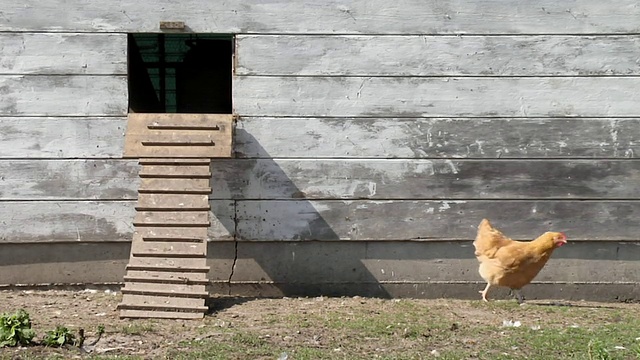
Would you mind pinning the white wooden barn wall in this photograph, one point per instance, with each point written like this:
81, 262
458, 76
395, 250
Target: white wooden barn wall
371, 121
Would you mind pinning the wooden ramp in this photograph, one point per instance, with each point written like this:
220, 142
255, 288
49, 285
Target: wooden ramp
167, 271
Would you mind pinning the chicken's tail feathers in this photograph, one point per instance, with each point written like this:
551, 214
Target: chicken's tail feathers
485, 223
488, 239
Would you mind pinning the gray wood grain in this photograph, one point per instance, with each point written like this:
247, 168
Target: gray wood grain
425, 179
437, 55
85, 221
59, 95
437, 138
328, 17
40, 53
316, 262
328, 220
53, 137
436, 97
88, 221
68, 180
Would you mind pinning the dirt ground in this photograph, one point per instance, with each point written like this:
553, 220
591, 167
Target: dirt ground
278, 321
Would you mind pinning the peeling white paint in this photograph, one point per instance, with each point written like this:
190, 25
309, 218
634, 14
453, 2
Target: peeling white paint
372, 188
452, 167
444, 206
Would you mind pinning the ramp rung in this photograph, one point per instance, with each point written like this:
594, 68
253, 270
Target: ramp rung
176, 308
163, 302
175, 161
165, 280
172, 240
198, 295
204, 269
146, 314
169, 255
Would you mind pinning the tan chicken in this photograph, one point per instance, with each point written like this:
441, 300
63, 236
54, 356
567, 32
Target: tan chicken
510, 263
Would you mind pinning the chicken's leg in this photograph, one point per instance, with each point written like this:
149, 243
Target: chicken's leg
484, 292
519, 296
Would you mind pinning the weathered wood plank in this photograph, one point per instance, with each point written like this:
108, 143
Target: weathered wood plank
81, 221
61, 95
63, 54
338, 16
155, 314
437, 55
173, 262
176, 202
130, 301
194, 234
92, 263
89, 221
186, 186
63, 263
172, 248
173, 290
175, 171
327, 267
425, 179
43, 137
179, 135
172, 218
167, 277
68, 179
436, 97
437, 138
433, 220
317, 262
174, 161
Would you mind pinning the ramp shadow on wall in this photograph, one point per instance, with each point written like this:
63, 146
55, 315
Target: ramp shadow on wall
301, 256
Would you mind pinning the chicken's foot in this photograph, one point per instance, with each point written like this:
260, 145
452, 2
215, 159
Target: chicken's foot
519, 296
484, 292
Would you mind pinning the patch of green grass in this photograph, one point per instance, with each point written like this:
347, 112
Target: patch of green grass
138, 328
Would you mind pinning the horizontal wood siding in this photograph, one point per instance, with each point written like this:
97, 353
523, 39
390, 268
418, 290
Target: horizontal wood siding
62, 137
63, 54
326, 179
69, 180
434, 220
437, 97
383, 269
487, 138
89, 221
383, 130
289, 55
60, 95
328, 17
425, 179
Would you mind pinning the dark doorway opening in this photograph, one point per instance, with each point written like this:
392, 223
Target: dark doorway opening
180, 73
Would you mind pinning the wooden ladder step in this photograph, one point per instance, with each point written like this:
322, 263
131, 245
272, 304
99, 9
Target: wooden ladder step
176, 233
173, 202
172, 248
156, 314
169, 255
168, 279
174, 186
165, 302
172, 218
174, 261
175, 171
173, 290
178, 136
175, 161
142, 267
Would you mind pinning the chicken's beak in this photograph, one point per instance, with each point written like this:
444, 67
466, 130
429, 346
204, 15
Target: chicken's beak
563, 240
